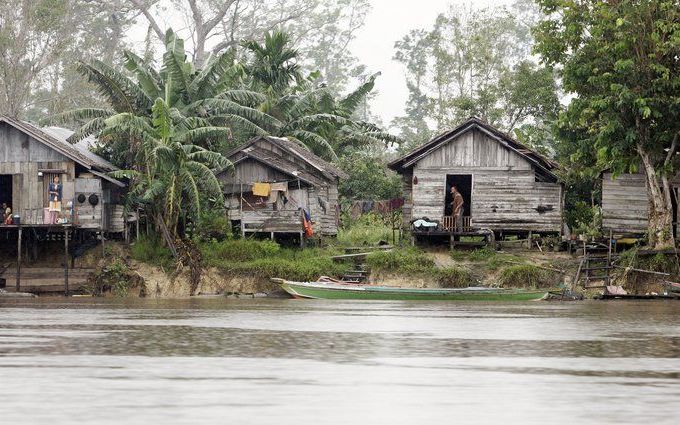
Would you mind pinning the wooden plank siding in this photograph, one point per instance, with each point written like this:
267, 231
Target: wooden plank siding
308, 184
506, 192
625, 206
32, 164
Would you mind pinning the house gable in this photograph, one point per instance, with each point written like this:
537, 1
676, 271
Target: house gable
544, 167
472, 148
18, 146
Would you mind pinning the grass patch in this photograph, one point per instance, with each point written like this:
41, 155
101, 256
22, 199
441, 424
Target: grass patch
239, 250
525, 276
482, 254
454, 277
150, 250
409, 261
368, 230
266, 259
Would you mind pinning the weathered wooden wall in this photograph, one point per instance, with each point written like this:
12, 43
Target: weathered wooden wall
88, 216
506, 193
23, 157
287, 219
625, 207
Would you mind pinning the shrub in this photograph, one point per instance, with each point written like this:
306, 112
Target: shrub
369, 229
115, 278
213, 225
238, 250
454, 277
408, 261
150, 249
526, 276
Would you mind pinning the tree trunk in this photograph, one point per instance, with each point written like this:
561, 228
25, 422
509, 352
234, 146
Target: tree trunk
660, 205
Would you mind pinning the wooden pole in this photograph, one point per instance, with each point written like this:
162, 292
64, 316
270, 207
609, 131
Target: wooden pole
66, 261
18, 284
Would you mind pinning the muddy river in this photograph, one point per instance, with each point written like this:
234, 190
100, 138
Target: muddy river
209, 361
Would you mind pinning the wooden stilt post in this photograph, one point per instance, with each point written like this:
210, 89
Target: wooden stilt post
18, 284
66, 260
137, 223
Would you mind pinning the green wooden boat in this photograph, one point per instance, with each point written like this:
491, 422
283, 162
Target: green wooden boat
340, 291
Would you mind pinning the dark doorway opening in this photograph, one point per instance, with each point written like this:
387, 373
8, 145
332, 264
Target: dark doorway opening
6, 190
463, 183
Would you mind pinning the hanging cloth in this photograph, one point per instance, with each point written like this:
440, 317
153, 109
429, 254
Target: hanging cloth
261, 189
279, 187
307, 223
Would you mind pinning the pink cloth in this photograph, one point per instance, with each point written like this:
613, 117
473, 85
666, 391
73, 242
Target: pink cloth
49, 217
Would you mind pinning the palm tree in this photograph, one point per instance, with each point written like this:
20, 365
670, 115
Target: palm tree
213, 95
174, 177
273, 65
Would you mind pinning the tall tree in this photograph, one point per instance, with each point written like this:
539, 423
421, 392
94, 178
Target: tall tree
474, 62
321, 29
621, 60
32, 36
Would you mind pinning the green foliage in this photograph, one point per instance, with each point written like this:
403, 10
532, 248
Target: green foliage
585, 220
620, 61
369, 177
265, 259
454, 277
239, 250
474, 62
482, 254
115, 277
213, 224
149, 249
410, 261
526, 276
367, 230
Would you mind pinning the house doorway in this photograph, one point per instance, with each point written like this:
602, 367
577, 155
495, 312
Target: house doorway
6, 190
463, 183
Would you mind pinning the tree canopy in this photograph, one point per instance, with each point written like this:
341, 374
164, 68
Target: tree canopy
621, 60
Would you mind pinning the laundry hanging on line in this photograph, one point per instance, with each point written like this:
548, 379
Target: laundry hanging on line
307, 223
261, 189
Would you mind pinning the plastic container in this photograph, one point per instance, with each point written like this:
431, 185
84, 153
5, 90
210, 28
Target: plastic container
16, 220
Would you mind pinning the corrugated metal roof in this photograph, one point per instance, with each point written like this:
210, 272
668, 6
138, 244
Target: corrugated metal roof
83, 146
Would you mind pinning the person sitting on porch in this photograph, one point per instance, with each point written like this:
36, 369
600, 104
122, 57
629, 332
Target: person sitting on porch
6, 213
457, 204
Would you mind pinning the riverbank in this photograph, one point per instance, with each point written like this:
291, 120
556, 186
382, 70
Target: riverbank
244, 268
237, 267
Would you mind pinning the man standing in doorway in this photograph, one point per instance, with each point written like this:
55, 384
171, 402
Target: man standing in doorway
457, 204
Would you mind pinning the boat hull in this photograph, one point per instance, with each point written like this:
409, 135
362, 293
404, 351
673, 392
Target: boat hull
355, 292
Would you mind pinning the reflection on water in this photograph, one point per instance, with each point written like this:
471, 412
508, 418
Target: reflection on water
290, 361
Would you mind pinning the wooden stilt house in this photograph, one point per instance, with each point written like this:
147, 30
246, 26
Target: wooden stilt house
273, 182
507, 188
30, 158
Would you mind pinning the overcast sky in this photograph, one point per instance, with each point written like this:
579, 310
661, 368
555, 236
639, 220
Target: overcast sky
388, 22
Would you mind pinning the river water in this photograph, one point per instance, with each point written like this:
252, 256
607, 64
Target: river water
209, 361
